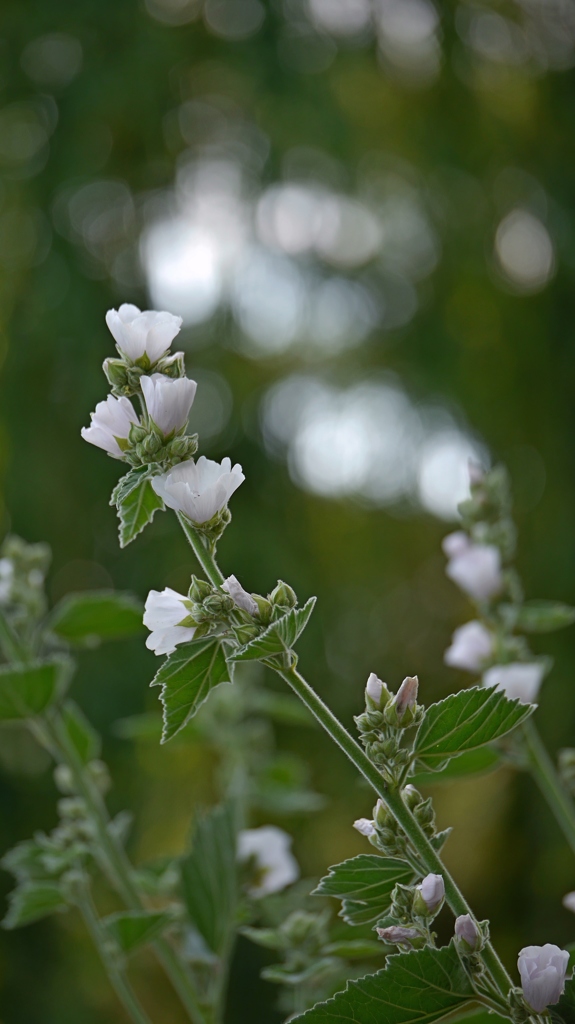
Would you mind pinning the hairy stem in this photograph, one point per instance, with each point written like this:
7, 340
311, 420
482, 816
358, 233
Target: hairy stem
110, 960
114, 861
391, 797
543, 771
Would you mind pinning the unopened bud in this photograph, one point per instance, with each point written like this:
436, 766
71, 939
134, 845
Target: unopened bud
467, 935
411, 938
151, 444
199, 590
377, 694
63, 778
283, 595
412, 797
137, 434
172, 366
184, 447
400, 711
429, 896
116, 372
381, 814
265, 608
365, 827
424, 813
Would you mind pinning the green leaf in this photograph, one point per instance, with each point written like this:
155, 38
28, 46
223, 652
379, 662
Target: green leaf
186, 678
32, 901
81, 734
87, 619
355, 949
25, 860
277, 638
543, 616
134, 928
136, 509
209, 876
563, 1012
414, 988
27, 690
365, 884
465, 721
475, 762
127, 483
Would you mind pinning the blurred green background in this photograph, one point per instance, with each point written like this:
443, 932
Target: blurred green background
364, 211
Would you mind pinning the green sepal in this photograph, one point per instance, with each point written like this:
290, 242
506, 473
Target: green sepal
465, 721
27, 690
279, 637
187, 676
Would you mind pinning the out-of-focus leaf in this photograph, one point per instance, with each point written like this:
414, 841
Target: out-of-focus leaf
541, 616
134, 928
27, 690
463, 722
414, 988
87, 619
32, 901
364, 884
82, 735
355, 949
210, 878
186, 678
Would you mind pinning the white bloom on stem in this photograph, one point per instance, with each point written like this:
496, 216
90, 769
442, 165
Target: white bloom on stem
270, 847
111, 421
432, 891
365, 827
471, 645
568, 901
6, 579
239, 596
475, 568
168, 401
138, 333
518, 681
542, 970
199, 489
467, 932
400, 935
164, 612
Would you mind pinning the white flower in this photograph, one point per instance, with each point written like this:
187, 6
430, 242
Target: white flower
475, 568
365, 826
375, 689
518, 681
168, 401
471, 644
111, 421
137, 334
400, 935
542, 970
6, 579
239, 596
270, 848
163, 614
432, 891
199, 489
467, 932
568, 901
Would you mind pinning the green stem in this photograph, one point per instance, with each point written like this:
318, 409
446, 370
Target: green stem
393, 800
115, 863
116, 976
352, 749
543, 771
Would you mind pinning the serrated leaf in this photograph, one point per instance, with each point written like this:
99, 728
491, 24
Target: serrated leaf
365, 884
474, 762
136, 509
32, 901
127, 483
27, 690
563, 1012
209, 876
277, 638
81, 734
186, 678
87, 619
414, 988
543, 616
465, 721
134, 928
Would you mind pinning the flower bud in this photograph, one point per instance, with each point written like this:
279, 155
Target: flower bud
239, 596
365, 827
467, 935
377, 694
172, 366
542, 970
381, 814
137, 434
115, 370
199, 590
283, 595
64, 779
410, 938
400, 711
265, 608
412, 797
429, 896
151, 444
